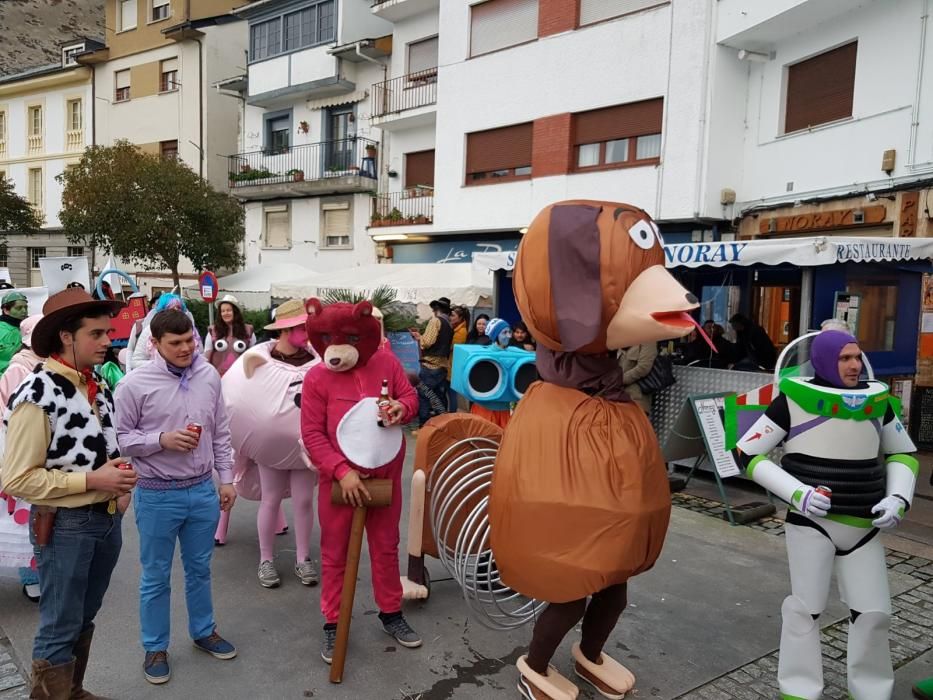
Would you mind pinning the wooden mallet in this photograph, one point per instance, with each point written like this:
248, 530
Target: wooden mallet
380, 491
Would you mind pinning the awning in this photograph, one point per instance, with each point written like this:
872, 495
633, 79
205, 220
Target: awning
802, 252
338, 100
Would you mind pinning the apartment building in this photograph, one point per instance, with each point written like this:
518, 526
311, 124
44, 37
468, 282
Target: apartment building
45, 125
153, 83
308, 159
495, 109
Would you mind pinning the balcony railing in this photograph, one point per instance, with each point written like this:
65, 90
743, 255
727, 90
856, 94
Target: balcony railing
314, 161
34, 143
74, 140
407, 92
410, 207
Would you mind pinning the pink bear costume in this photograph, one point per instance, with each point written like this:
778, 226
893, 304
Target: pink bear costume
263, 399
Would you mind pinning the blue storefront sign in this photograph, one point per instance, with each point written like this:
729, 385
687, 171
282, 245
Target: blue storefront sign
449, 251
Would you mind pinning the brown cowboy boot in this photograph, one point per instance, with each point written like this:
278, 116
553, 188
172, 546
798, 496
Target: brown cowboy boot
82, 650
51, 682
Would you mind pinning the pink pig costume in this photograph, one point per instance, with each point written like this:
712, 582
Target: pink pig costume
263, 399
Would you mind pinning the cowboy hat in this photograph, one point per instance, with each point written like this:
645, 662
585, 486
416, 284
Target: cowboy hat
443, 304
69, 302
288, 315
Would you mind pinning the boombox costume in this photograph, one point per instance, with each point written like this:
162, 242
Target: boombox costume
832, 436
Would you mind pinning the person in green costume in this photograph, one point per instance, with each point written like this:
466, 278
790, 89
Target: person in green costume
14, 308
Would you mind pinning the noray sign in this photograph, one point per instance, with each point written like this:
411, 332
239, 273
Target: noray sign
802, 252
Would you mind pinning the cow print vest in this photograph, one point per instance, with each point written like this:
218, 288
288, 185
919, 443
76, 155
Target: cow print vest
80, 443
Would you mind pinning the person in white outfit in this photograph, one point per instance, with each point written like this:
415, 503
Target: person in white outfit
834, 426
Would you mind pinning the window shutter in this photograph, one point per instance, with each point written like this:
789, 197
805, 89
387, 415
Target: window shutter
496, 24
122, 79
619, 122
820, 89
419, 169
422, 55
169, 64
159, 3
277, 233
498, 149
127, 14
598, 10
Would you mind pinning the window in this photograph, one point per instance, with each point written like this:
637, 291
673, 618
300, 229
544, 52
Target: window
337, 225
169, 70
2, 132
168, 149
498, 154
278, 132
35, 255
296, 30
122, 82
35, 121
127, 10
69, 53
419, 169
820, 89
627, 134
35, 191
75, 115
161, 9
597, 10
497, 24
4, 256
422, 58
75, 251
277, 227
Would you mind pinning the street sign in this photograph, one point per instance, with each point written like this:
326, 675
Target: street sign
207, 284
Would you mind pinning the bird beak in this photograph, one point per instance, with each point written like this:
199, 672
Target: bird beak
655, 307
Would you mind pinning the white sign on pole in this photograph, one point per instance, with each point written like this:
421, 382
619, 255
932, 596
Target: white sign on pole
58, 273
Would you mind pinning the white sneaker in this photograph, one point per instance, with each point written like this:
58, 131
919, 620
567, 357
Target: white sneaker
306, 573
268, 576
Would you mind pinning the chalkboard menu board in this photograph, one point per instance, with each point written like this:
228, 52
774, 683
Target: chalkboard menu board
922, 417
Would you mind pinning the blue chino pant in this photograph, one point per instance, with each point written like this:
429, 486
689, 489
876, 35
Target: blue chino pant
189, 516
74, 573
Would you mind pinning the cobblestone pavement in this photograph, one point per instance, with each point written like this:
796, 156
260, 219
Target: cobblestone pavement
12, 682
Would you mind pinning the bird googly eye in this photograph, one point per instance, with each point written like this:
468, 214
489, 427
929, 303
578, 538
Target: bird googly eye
642, 234
221, 345
657, 232
239, 346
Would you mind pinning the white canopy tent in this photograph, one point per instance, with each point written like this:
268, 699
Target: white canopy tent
416, 283
802, 252
252, 287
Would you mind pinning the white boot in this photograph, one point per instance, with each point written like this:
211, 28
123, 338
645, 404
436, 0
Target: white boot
800, 663
871, 675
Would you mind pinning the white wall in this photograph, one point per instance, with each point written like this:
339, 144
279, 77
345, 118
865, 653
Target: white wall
224, 56
356, 21
625, 60
408, 30
834, 155
306, 234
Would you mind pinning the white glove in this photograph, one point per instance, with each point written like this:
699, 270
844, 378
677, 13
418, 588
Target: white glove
892, 512
814, 503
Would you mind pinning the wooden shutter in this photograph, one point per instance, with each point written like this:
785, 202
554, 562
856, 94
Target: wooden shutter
498, 149
820, 89
619, 122
422, 55
496, 24
122, 78
277, 226
337, 223
419, 168
598, 10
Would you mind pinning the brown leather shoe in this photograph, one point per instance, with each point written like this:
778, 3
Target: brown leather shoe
82, 651
51, 682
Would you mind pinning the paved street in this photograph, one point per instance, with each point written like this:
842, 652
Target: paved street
702, 625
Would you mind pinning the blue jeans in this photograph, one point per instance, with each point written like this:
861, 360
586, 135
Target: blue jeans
435, 379
190, 516
74, 573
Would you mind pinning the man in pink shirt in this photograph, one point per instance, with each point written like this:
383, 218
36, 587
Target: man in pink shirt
172, 423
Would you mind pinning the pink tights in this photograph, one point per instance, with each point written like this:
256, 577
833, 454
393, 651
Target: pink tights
275, 483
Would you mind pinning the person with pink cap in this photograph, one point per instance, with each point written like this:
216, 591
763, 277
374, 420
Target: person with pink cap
14, 518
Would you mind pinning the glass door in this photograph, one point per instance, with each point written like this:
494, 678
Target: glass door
340, 140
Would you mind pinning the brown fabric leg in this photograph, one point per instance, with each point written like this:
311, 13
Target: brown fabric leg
553, 625
602, 614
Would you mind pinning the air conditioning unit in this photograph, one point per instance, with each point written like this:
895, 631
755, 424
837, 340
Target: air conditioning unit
858, 217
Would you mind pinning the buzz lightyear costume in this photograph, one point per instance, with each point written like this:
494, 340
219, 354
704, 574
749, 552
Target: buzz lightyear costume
832, 437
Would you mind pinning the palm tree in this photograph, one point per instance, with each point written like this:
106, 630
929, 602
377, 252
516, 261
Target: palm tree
384, 298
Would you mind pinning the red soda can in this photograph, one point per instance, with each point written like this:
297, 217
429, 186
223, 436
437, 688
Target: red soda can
824, 490
195, 428
125, 466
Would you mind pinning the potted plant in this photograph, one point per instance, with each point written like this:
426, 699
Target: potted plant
304, 127
370, 150
422, 219
394, 216
244, 168
296, 175
375, 221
